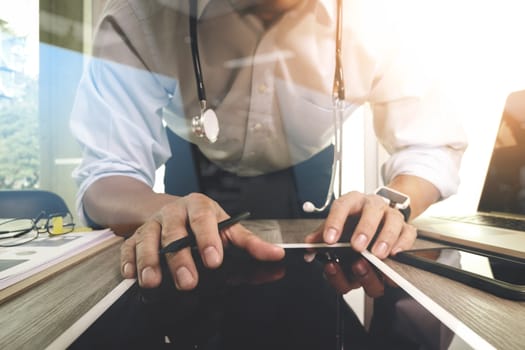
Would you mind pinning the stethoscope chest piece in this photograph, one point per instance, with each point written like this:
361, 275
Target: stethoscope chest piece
206, 125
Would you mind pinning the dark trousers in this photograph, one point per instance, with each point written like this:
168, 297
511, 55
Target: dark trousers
275, 195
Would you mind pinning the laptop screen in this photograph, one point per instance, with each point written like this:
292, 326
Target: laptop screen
504, 188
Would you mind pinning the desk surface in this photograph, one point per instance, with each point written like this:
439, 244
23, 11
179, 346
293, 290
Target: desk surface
41, 314
35, 318
499, 321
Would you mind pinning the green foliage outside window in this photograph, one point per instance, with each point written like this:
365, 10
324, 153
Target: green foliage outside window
19, 136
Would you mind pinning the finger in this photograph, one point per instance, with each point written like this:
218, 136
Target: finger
316, 235
393, 223
147, 254
267, 275
342, 207
203, 216
368, 278
406, 239
127, 258
181, 264
239, 236
183, 269
337, 278
371, 216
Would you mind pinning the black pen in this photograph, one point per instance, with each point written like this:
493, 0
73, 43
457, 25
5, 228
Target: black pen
189, 240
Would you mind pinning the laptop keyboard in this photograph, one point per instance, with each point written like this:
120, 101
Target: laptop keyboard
512, 224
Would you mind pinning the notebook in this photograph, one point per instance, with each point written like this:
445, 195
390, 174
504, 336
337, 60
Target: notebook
498, 226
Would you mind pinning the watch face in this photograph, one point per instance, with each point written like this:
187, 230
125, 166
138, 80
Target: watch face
393, 196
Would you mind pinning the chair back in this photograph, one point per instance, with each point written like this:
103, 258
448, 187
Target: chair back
30, 203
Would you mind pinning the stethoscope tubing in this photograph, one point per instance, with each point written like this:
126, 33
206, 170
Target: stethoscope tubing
195, 55
338, 94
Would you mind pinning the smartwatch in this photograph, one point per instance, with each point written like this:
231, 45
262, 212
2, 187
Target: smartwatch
395, 199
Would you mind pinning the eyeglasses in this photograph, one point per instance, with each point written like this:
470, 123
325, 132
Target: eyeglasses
19, 231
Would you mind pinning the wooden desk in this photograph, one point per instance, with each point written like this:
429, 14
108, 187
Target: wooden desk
499, 321
38, 316
35, 318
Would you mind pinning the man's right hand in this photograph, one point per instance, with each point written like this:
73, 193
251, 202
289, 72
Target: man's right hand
140, 252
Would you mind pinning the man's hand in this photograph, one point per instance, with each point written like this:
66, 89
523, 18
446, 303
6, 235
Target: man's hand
359, 273
375, 217
140, 252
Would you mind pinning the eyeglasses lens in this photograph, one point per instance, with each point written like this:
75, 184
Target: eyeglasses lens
17, 231
60, 224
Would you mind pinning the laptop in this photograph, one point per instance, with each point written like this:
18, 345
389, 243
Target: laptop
498, 226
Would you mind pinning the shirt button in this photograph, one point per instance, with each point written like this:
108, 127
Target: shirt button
263, 88
256, 126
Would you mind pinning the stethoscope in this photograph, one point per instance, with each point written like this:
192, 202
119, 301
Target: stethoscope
338, 95
206, 123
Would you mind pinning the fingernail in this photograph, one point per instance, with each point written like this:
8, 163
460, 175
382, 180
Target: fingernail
148, 275
184, 278
330, 269
211, 257
360, 241
309, 257
128, 270
330, 235
381, 248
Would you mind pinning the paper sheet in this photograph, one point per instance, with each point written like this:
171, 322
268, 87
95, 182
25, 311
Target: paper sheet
20, 262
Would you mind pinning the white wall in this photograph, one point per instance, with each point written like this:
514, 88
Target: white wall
480, 46
476, 50
484, 51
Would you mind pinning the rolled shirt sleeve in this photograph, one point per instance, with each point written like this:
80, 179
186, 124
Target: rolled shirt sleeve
117, 126
414, 114
420, 129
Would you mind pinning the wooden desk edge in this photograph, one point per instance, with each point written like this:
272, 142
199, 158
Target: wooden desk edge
40, 277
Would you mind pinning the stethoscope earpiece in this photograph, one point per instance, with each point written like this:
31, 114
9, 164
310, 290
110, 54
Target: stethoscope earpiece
308, 207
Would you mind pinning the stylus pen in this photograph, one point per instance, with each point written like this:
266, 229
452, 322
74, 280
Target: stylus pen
189, 240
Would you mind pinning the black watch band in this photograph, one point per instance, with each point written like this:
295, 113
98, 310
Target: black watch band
406, 213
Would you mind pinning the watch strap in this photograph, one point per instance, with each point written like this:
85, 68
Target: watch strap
406, 212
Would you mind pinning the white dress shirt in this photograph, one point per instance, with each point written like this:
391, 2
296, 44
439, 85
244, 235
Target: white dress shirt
271, 89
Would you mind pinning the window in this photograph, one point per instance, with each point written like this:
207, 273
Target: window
42, 47
19, 146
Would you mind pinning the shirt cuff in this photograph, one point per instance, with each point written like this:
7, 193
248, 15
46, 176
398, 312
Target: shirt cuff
85, 178
439, 166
